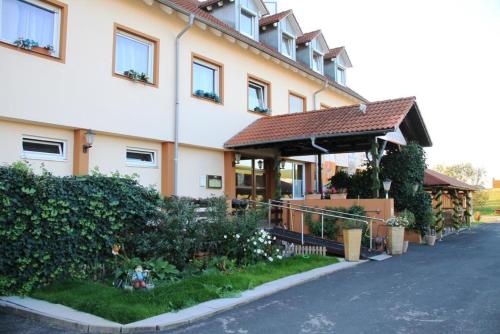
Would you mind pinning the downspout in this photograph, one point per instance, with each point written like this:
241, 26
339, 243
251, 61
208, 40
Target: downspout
316, 146
177, 104
316, 157
319, 91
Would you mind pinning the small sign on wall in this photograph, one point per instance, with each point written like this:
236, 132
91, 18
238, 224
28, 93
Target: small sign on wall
214, 182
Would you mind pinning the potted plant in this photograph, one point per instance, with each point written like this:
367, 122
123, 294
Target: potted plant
338, 185
430, 221
136, 76
262, 110
397, 234
351, 232
25, 43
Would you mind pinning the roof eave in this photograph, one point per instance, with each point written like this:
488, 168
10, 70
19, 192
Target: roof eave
251, 42
375, 133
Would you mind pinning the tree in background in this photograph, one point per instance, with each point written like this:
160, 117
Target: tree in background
464, 172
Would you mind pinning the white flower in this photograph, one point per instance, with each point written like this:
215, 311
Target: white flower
261, 240
270, 259
279, 257
274, 238
225, 236
265, 254
237, 236
255, 243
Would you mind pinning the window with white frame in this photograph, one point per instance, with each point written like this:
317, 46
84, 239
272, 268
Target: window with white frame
141, 157
340, 75
134, 56
287, 45
247, 23
43, 148
206, 80
258, 96
31, 24
296, 103
317, 62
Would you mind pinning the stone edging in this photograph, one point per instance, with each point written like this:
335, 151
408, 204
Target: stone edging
68, 318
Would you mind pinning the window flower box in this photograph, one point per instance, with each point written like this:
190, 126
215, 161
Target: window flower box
135, 76
207, 95
262, 110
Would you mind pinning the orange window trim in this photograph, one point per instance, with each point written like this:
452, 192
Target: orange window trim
62, 35
260, 81
324, 106
300, 96
156, 56
220, 66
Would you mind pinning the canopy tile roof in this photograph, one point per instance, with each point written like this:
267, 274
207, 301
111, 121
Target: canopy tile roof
433, 179
379, 118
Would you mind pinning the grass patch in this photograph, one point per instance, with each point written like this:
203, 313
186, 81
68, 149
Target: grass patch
126, 307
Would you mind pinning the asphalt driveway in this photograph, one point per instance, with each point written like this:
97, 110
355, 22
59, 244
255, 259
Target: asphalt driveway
453, 287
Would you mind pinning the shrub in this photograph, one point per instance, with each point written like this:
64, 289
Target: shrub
359, 185
340, 181
332, 225
64, 227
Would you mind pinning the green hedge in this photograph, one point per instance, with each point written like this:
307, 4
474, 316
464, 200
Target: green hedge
53, 227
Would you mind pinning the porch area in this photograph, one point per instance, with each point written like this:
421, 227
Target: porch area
279, 158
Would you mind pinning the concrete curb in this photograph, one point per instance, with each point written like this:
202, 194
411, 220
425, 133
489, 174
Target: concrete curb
68, 318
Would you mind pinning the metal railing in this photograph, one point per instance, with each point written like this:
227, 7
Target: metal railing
312, 210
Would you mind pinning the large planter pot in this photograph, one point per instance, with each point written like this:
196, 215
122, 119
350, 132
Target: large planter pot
352, 244
313, 196
396, 239
338, 196
413, 236
405, 246
431, 240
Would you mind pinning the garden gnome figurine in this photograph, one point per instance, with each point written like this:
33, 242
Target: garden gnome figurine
138, 278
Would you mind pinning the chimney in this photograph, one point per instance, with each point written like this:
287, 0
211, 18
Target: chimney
362, 108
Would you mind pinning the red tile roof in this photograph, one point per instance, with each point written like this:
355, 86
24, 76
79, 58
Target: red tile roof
308, 36
382, 116
435, 179
274, 18
192, 7
333, 53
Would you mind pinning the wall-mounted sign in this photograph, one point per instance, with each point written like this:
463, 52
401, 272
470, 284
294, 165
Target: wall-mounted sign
214, 182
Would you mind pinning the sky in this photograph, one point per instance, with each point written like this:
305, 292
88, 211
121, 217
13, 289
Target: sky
444, 52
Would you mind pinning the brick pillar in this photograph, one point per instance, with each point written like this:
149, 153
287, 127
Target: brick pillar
229, 175
167, 169
80, 159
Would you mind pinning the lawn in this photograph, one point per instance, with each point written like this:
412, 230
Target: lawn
126, 307
491, 205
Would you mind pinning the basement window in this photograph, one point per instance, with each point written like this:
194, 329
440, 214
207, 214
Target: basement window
43, 149
141, 158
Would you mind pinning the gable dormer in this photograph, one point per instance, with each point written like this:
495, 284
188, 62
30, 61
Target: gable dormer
242, 15
311, 47
336, 63
280, 31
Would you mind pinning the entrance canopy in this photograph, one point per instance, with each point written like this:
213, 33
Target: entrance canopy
339, 130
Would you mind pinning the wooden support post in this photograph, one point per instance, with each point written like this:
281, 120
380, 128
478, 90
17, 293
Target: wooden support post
229, 175
167, 169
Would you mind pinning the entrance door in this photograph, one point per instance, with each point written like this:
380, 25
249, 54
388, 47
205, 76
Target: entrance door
292, 180
251, 179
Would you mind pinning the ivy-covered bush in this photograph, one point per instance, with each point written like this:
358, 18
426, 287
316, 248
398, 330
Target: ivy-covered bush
406, 167
360, 185
53, 227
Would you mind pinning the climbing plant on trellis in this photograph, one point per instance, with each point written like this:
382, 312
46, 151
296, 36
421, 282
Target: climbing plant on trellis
457, 210
468, 208
438, 211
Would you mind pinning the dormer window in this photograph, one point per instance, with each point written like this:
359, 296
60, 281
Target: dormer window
317, 64
287, 45
247, 23
340, 75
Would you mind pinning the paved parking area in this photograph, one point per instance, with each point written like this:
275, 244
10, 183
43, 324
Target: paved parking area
453, 287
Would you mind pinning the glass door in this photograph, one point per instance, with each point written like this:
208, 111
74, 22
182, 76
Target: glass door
298, 181
292, 180
251, 179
